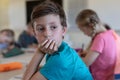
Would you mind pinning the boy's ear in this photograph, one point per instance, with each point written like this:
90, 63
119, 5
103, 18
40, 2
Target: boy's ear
34, 32
64, 30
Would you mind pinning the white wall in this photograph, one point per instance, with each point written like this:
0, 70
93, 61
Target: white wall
72, 8
4, 18
17, 14
108, 10
13, 15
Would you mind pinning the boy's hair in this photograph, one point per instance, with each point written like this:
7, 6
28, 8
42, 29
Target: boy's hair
46, 8
9, 32
88, 16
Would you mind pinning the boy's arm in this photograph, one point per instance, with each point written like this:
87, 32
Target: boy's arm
32, 70
33, 66
38, 76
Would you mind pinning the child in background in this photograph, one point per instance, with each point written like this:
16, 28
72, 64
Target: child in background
117, 40
8, 45
2, 44
62, 62
26, 39
6, 38
101, 55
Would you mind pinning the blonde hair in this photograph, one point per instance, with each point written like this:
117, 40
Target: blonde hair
87, 17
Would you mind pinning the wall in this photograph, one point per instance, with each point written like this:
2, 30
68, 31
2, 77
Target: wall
4, 18
17, 14
72, 8
108, 11
12, 15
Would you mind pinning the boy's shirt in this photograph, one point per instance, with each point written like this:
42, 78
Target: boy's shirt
3, 46
65, 64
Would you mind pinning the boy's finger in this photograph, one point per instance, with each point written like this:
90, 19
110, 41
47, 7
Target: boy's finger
51, 47
55, 47
41, 46
45, 42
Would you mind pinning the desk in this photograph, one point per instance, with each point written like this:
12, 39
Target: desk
8, 75
24, 59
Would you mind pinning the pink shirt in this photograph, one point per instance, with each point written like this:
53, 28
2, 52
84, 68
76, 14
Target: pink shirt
103, 67
117, 40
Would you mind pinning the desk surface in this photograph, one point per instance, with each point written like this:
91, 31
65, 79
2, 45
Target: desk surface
24, 59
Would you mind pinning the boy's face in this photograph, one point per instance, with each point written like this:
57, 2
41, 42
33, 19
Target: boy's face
49, 28
5, 38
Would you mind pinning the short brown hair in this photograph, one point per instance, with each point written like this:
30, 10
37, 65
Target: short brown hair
10, 32
88, 16
49, 7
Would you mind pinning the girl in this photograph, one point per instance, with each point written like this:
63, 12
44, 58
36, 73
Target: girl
101, 55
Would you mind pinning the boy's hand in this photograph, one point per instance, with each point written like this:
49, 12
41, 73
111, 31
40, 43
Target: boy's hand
48, 46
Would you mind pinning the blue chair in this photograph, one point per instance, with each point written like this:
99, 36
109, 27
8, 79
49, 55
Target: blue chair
117, 76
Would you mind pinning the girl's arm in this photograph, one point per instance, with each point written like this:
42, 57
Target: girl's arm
90, 57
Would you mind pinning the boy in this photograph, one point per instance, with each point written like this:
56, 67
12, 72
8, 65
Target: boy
6, 38
8, 46
26, 38
62, 62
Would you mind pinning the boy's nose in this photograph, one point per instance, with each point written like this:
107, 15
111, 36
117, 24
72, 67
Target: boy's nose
47, 34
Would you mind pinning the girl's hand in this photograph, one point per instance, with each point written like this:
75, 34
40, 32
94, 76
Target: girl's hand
82, 53
48, 46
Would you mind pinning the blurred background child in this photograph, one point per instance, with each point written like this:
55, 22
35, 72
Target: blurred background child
101, 55
27, 39
117, 40
8, 45
6, 38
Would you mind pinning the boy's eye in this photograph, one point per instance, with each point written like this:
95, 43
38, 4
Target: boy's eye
40, 29
53, 27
